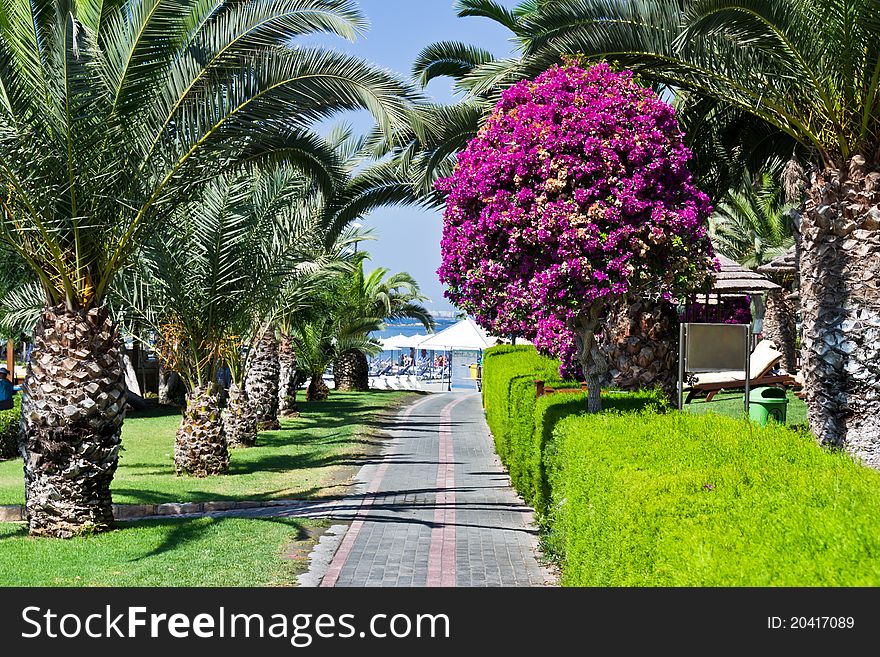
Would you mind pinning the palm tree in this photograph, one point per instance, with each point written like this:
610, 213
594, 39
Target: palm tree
111, 115
753, 225
378, 296
216, 281
318, 344
263, 378
288, 382
199, 288
361, 185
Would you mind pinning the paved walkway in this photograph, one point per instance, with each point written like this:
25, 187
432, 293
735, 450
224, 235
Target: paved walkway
436, 510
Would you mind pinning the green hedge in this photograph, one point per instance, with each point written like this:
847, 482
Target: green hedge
679, 500
509, 374
521, 424
639, 496
9, 427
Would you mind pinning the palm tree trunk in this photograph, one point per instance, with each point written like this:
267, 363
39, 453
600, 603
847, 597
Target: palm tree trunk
239, 421
261, 382
780, 327
73, 406
639, 341
167, 382
317, 390
840, 308
287, 377
200, 449
351, 371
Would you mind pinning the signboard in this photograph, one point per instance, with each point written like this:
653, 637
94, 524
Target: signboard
716, 347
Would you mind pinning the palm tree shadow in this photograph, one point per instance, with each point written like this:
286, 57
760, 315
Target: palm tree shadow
191, 530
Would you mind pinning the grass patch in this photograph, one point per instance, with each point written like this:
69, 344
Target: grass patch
730, 404
681, 500
303, 459
195, 552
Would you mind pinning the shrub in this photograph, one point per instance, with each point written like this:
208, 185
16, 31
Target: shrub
522, 424
573, 194
9, 428
680, 500
509, 374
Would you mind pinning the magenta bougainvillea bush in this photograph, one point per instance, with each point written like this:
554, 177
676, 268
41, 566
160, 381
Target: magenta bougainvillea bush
732, 310
575, 191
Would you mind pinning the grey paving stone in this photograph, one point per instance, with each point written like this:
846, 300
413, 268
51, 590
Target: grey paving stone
495, 541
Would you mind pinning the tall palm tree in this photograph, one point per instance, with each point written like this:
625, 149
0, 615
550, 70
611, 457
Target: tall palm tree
112, 114
376, 295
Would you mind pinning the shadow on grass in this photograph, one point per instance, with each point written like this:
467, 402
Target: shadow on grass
180, 532
187, 530
146, 496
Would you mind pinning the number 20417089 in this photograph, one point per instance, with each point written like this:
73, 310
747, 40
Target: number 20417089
811, 623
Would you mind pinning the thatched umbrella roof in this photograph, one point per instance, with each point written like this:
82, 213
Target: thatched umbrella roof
781, 265
736, 279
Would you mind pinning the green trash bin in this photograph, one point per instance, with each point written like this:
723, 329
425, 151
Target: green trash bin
767, 403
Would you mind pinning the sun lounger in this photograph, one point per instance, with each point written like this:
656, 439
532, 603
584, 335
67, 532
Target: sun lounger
762, 362
384, 368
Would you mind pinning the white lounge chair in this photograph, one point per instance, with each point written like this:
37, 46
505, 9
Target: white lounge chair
763, 359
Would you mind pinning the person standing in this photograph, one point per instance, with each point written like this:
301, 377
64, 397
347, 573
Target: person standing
6, 390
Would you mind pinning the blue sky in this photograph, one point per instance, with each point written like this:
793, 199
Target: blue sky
408, 239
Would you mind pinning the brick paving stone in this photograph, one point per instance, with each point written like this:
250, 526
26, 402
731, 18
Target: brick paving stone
439, 510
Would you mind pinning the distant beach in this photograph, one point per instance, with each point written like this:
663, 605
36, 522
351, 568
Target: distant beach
461, 359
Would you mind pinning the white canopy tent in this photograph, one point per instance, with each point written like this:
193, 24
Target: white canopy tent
394, 342
415, 340
464, 335
402, 341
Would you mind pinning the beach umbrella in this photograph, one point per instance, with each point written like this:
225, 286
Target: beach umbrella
395, 342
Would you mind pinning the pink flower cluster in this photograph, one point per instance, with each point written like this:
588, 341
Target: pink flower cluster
575, 190
732, 310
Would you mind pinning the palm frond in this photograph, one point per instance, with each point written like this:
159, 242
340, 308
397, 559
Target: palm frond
448, 59
20, 308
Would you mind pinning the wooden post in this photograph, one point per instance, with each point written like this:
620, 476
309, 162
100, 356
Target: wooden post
539, 388
10, 359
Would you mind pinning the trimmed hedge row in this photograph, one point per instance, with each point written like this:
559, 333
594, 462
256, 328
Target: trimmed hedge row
10, 422
522, 424
681, 500
638, 496
509, 374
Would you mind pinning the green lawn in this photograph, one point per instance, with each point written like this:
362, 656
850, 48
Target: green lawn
731, 405
302, 459
200, 552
